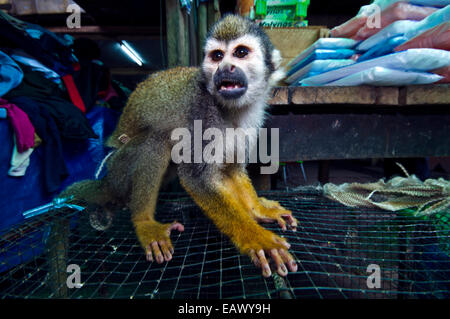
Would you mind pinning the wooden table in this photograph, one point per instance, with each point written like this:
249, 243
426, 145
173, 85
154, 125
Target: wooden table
326, 123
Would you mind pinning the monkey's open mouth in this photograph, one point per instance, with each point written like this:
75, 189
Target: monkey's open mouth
231, 89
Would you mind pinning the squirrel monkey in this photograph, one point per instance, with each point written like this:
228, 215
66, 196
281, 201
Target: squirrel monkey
229, 90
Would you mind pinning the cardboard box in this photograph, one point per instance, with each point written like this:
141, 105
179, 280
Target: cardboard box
292, 41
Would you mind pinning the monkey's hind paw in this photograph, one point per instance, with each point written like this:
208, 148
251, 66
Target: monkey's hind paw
262, 245
155, 239
271, 211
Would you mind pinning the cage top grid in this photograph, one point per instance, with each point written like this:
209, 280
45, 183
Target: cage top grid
334, 246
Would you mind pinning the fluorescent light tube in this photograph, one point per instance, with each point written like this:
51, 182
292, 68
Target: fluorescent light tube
133, 55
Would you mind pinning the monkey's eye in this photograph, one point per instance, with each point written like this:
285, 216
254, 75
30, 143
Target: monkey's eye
216, 55
241, 52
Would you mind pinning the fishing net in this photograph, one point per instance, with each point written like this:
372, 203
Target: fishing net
336, 248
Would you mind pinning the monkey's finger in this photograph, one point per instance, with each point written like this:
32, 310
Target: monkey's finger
176, 226
291, 221
281, 268
264, 264
288, 259
148, 254
281, 223
254, 258
165, 249
282, 241
158, 255
170, 246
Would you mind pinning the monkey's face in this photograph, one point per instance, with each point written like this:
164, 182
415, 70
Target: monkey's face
236, 71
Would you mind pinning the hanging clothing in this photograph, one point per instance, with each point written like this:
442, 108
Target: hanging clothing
54, 166
19, 161
24, 58
10, 74
69, 119
50, 49
23, 129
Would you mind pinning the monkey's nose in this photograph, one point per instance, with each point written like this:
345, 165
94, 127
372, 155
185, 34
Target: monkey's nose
228, 68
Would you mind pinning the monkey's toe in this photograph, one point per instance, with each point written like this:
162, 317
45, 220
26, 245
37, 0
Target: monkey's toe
281, 216
155, 239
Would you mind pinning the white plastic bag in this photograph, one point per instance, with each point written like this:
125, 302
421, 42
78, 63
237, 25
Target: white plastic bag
324, 43
409, 60
380, 76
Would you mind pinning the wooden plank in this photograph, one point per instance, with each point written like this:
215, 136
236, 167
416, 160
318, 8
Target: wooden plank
345, 95
427, 94
107, 30
400, 133
280, 96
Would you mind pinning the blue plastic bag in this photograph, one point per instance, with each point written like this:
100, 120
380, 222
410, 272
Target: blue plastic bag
317, 67
385, 47
321, 54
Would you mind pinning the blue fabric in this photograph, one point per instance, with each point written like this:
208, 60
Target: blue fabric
27, 192
10, 74
322, 54
52, 50
384, 48
37, 66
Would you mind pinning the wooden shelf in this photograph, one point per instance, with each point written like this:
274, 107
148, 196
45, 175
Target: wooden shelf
362, 95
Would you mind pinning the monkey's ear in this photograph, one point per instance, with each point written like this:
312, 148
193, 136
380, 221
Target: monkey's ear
279, 72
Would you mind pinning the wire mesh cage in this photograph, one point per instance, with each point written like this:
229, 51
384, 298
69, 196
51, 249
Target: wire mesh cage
336, 248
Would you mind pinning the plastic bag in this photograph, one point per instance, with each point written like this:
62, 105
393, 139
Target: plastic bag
380, 76
436, 38
324, 43
395, 12
398, 28
321, 54
317, 67
409, 60
383, 4
350, 28
386, 47
433, 20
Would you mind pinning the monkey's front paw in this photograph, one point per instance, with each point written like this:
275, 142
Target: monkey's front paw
155, 239
264, 243
271, 211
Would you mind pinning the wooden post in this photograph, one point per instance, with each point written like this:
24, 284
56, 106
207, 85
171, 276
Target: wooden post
202, 28
57, 258
213, 12
177, 34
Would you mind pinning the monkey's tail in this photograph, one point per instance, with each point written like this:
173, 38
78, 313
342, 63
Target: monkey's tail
92, 193
88, 191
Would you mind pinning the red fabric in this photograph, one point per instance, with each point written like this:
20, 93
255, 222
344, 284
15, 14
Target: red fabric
23, 129
349, 28
445, 72
73, 92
